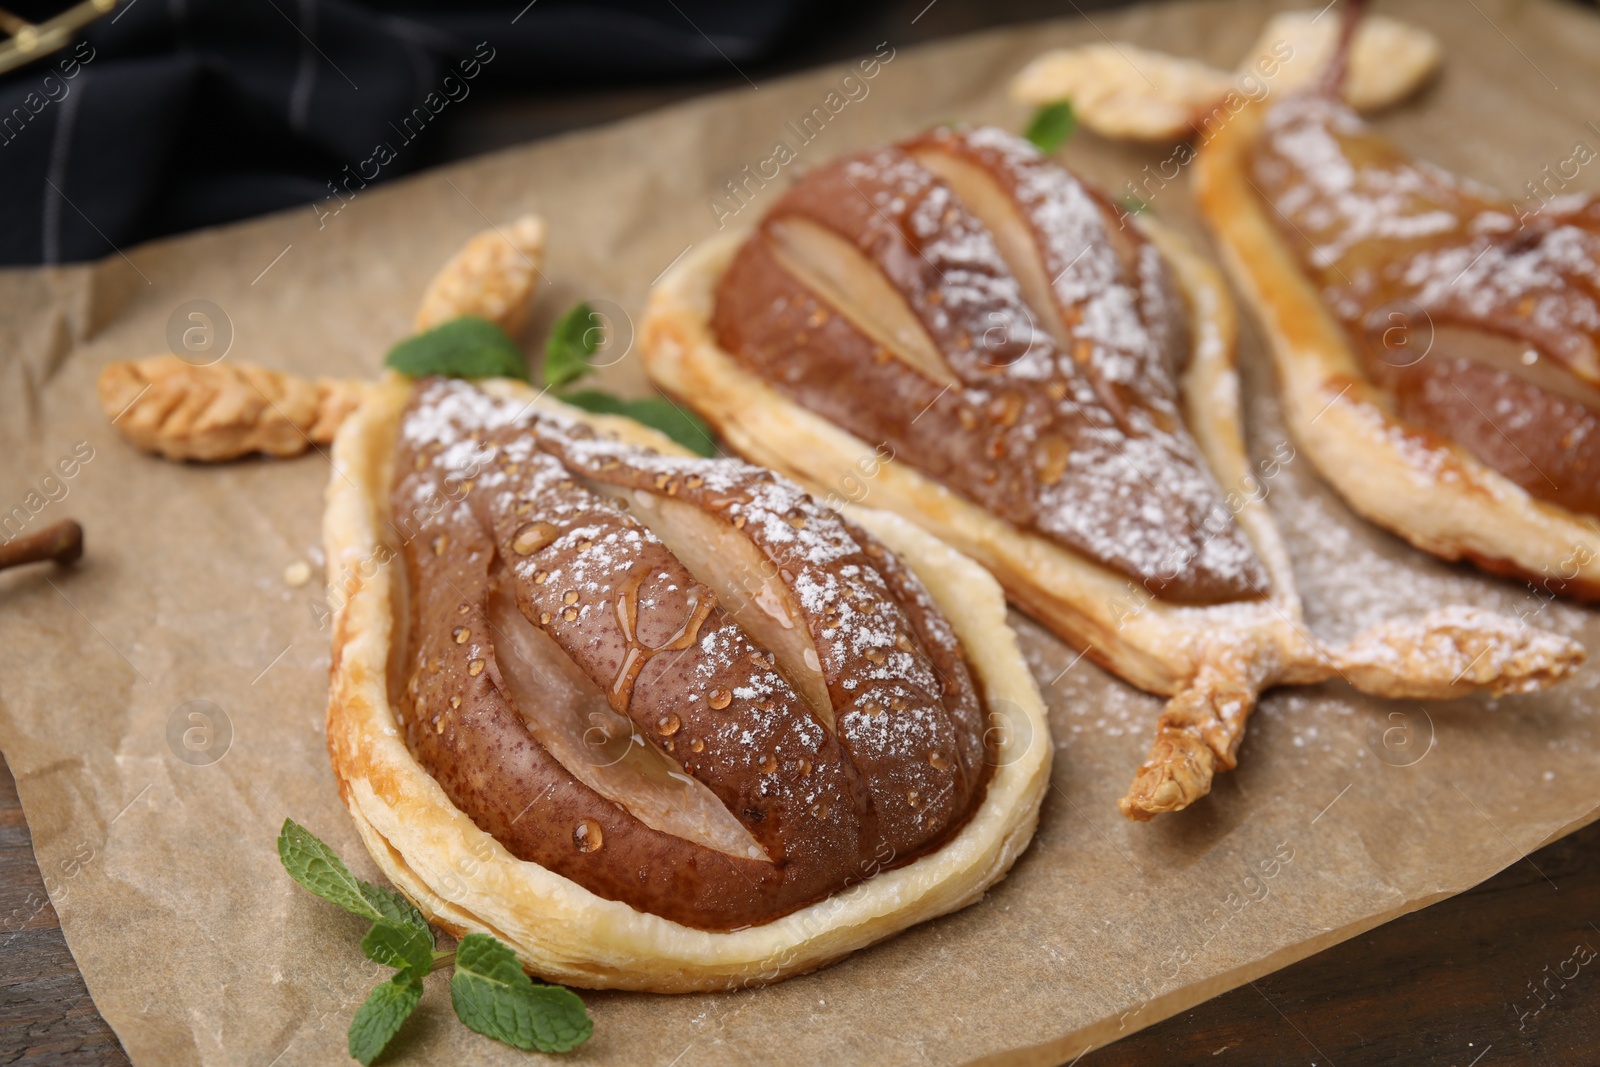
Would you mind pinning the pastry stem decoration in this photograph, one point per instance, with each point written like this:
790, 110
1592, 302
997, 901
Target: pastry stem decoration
1449, 652
232, 408
644, 716
223, 410
1052, 392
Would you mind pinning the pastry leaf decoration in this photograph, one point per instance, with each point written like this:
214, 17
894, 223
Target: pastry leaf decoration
490, 993
1051, 126
464, 347
573, 339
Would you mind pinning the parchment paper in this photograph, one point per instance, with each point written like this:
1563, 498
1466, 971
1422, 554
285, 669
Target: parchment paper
1346, 811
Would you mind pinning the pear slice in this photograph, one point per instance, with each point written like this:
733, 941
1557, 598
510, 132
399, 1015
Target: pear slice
746, 582
984, 197
568, 714
836, 271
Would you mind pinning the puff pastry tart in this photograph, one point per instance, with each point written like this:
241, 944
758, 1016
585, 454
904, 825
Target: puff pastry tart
657, 721
957, 329
1438, 347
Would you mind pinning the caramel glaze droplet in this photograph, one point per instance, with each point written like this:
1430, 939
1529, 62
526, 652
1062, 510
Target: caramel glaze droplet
587, 836
719, 699
1051, 458
668, 725
532, 537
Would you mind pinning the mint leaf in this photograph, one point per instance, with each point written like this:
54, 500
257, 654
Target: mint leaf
492, 996
392, 906
400, 945
379, 1019
464, 347
318, 868
1051, 126
657, 412
573, 339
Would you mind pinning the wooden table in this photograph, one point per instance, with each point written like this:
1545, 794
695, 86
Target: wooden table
1443, 986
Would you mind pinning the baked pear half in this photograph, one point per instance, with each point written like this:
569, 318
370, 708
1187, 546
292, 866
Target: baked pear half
1437, 345
959, 330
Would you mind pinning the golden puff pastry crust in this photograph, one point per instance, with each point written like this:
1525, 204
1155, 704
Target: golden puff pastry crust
465, 880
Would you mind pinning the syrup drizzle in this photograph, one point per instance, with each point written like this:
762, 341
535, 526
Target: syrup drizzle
700, 603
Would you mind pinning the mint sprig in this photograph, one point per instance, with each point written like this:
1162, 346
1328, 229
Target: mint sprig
489, 991
492, 996
573, 340
464, 347
1051, 126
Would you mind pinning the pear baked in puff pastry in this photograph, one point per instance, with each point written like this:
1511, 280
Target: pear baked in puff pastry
657, 722
957, 329
1438, 347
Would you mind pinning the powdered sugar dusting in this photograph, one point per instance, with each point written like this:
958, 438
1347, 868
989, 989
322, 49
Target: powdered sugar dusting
1396, 229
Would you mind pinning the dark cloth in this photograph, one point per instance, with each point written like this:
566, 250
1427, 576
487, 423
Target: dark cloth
173, 114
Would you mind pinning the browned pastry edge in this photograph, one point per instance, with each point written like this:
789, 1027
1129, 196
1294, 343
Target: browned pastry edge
1124, 92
